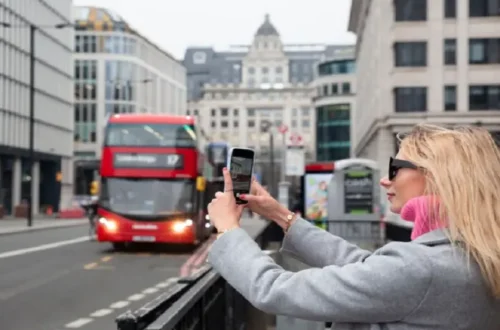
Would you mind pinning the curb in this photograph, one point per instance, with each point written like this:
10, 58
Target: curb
41, 228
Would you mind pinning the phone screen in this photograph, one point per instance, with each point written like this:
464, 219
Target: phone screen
241, 173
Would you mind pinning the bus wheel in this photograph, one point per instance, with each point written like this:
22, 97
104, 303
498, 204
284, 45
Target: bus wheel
118, 246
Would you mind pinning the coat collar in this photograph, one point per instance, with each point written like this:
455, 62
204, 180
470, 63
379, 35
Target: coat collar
435, 237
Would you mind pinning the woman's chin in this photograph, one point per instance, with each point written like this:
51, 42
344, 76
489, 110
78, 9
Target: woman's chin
395, 208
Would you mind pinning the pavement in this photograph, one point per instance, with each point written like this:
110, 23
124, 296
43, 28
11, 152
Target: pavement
12, 225
57, 279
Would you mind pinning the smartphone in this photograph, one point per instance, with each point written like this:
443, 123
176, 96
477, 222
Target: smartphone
240, 165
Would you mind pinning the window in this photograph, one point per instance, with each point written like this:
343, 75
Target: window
450, 98
224, 124
410, 99
450, 8
224, 112
450, 51
338, 113
346, 88
484, 51
325, 90
213, 112
410, 10
484, 97
410, 54
484, 8
337, 67
333, 131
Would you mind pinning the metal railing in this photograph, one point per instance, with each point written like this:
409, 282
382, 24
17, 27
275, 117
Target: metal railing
201, 301
204, 301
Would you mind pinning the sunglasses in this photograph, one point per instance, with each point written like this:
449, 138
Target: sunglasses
396, 164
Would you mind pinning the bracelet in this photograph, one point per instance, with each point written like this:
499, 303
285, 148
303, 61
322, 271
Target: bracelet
220, 233
289, 222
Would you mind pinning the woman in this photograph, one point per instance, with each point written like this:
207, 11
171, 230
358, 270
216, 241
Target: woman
429, 283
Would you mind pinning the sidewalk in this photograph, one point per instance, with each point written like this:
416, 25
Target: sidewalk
12, 225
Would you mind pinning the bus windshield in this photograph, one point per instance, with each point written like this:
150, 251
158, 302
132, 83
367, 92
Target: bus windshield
147, 197
150, 135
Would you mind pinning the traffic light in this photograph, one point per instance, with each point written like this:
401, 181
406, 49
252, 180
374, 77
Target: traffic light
94, 188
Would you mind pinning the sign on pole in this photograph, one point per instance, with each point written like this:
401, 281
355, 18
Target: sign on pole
295, 161
283, 128
295, 139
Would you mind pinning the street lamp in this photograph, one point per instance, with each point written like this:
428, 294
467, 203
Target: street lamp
266, 127
31, 154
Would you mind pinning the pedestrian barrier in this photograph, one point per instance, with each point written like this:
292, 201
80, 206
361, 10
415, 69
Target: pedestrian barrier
202, 300
205, 301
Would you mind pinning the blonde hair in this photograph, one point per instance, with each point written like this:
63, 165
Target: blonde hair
462, 168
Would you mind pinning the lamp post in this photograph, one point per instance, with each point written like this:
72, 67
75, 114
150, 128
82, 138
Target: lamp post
31, 150
266, 127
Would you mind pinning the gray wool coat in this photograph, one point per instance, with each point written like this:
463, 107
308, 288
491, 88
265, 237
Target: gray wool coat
423, 284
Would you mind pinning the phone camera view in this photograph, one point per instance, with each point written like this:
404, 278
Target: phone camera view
241, 173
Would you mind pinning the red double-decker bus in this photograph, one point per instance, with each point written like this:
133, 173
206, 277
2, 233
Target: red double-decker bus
152, 184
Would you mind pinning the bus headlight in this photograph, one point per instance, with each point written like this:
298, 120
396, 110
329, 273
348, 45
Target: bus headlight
180, 226
108, 224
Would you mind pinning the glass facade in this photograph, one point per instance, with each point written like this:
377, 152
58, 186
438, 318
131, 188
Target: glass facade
333, 132
112, 44
85, 90
337, 67
120, 78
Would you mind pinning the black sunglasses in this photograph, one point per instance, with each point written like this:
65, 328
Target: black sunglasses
396, 164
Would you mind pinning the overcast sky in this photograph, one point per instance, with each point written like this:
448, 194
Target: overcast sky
175, 25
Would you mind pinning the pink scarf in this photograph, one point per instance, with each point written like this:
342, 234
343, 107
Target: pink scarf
417, 210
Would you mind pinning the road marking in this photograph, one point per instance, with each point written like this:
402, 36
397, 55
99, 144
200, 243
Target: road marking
106, 258
150, 290
119, 304
101, 312
78, 323
49, 246
90, 266
136, 297
162, 285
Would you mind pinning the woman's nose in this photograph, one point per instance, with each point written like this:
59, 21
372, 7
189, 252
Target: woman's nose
385, 182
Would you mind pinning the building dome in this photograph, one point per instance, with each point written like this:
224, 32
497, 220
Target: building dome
267, 28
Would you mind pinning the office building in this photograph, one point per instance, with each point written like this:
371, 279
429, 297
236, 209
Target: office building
423, 61
51, 179
334, 104
117, 70
236, 93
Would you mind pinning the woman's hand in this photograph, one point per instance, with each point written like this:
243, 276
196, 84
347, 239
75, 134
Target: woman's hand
224, 213
262, 203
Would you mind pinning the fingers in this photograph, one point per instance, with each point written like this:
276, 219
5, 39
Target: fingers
228, 182
240, 209
219, 194
251, 198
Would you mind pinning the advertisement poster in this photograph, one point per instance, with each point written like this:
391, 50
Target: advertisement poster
316, 198
358, 192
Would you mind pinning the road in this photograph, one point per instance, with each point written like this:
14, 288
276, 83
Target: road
56, 280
